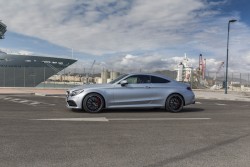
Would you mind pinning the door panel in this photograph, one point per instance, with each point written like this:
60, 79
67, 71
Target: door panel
139, 92
133, 95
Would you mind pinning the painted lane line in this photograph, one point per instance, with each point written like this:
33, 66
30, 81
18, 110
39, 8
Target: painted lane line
198, 102
7, 98
104, 119
15, 100
27, 102
35, 103
99, 119
24, 101
220, 104
155, 119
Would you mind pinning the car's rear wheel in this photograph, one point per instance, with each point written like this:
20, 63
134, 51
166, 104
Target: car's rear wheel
174, 103
93, 102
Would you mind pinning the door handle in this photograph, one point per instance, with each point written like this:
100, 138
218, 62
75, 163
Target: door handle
148, 87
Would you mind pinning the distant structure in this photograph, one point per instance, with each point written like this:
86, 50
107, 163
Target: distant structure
107, 76
218, 70
113, 75
202, 67
184, 70
3, 29
104, 76
91, 71
18, 70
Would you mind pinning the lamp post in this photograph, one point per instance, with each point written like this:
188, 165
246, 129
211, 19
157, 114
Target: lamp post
230, 21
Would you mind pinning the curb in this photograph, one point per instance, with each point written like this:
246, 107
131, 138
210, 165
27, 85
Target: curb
43, 94
17, 93
223, 99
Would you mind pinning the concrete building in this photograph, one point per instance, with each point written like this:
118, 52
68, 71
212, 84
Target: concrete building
105, 75
184, 70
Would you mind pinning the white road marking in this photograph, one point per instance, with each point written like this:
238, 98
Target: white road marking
24, 101
35, 103
27, 102
198, 102
97, 119
104, 119
220, 104
155, 119
7, 98
15, 100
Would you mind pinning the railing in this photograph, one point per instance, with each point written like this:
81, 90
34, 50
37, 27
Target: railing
39, 77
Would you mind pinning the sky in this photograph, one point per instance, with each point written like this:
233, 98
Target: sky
130, 35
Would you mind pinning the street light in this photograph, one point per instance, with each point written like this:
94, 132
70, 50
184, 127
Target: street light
230, 21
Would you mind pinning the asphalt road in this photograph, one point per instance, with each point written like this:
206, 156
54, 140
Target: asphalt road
40, 131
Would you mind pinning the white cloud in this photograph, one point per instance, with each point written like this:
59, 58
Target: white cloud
100, 27
151, 63
118, 26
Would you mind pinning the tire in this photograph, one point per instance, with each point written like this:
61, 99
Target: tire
93, 103
174, 103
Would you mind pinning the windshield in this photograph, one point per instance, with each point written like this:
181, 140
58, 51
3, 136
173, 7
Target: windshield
118, 78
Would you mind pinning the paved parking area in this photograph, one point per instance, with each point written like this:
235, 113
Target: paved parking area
40, 131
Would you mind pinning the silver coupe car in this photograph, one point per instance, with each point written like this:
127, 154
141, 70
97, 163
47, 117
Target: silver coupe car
132, 91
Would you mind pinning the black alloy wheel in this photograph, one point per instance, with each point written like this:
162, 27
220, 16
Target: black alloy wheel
93, 102
174, 103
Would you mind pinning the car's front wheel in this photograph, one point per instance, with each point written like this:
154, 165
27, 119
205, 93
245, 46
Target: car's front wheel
93, 102
174, 103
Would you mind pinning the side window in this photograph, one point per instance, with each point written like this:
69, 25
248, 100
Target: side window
155, 79
143, 79
138, 79
132, 80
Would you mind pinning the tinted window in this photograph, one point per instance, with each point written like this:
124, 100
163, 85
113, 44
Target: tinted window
132, 80
158, 80
138, 79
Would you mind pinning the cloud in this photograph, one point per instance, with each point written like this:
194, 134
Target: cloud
118, 27
101, 27
151, 63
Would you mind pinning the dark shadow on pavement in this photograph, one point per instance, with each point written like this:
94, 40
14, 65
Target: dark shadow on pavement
192, 110
153, 110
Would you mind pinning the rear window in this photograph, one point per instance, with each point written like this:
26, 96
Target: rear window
158, 80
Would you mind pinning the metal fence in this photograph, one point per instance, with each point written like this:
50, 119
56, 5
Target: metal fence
236, 81
39, 77
24, 76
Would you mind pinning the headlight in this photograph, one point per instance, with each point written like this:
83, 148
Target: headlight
76, 92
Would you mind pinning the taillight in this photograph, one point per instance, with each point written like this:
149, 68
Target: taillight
189, 88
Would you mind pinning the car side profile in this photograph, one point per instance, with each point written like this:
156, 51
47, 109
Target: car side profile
132, 91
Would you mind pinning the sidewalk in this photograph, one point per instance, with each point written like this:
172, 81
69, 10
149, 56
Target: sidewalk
220, 95
200, 93
33, 91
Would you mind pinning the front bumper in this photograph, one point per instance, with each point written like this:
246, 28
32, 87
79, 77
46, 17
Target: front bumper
74, 102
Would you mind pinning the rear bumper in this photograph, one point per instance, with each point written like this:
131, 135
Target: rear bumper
190, 100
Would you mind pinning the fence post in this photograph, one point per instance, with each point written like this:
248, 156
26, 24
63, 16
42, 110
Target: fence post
24, 75
232, 80
240, 78
43, 77
4, 77
191, 79
14, 76
248, 81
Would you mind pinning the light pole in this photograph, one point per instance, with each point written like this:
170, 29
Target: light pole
230, 21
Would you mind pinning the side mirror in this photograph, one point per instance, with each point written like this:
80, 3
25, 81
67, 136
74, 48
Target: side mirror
124, 83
